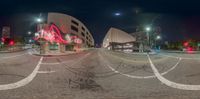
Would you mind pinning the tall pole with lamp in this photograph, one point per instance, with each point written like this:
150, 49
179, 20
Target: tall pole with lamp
148, 29
39, 21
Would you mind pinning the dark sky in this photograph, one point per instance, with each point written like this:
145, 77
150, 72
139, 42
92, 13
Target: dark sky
178, 19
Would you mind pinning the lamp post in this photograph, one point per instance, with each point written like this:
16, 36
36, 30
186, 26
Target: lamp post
158, 38
39, 21
148, 29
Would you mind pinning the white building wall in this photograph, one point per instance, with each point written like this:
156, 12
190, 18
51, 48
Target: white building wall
118, 36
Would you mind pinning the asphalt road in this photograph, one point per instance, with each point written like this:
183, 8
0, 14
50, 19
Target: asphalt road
100, 74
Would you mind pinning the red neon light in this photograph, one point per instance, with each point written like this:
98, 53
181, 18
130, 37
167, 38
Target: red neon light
3, 39
190, 50
11, 43
186, 44
52, 35
78, 41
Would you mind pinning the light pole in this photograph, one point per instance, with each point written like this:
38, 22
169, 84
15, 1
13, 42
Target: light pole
39, 21
158, 37
148, 29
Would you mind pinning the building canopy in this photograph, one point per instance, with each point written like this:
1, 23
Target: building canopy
117, 36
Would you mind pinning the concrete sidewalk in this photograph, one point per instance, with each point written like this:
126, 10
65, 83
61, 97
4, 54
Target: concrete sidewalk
36, 52
7, 51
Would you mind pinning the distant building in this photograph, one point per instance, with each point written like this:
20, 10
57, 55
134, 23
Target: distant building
6, 32
142, 40
140, 36
119, 40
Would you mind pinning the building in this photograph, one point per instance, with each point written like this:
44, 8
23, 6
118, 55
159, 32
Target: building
6, 37
141, 38
6, 32
119, 40
70, 25
62, 33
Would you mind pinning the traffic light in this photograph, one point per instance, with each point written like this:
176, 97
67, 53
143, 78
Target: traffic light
186, 44
11, 43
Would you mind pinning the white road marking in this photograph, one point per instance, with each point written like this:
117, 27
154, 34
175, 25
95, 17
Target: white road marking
170, 83
31, 76
24, 81
142, 77
45, 72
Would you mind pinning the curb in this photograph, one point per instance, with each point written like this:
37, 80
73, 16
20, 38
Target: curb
184, 52
50, 55
12, 51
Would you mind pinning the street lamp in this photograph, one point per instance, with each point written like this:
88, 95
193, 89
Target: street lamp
158, 37
39, 20
30, 41
29, 32
148, 36
148, 29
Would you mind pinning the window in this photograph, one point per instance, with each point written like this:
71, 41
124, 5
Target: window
83, 28
74, 22
74, 28
87, 33
82, 34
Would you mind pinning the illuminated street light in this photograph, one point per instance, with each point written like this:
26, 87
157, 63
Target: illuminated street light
30, 41
39, 20
29, 32
148, 35
148, 29
158, 37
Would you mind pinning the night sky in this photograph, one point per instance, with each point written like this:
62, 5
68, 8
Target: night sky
178, 19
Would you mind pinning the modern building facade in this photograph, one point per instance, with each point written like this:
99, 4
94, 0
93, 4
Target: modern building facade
62, 33
70, 25
119, 40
